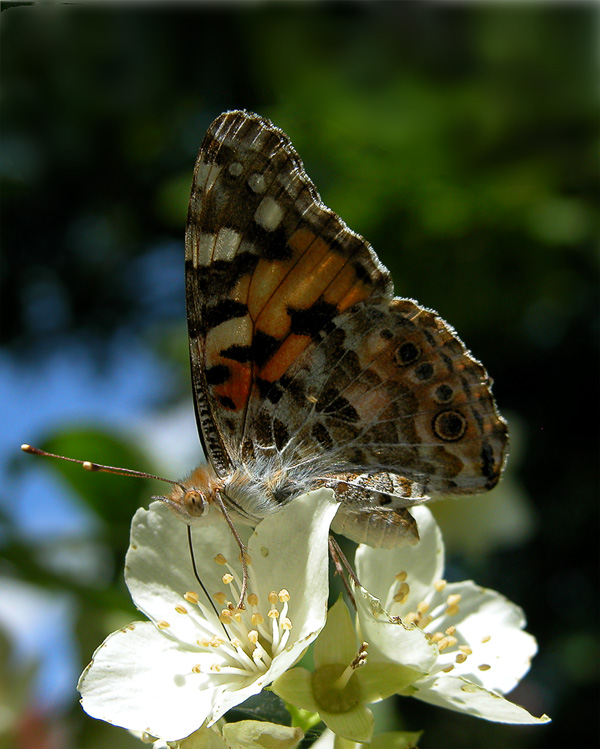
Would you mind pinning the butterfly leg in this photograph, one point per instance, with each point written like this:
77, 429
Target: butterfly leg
243, 549
342, 567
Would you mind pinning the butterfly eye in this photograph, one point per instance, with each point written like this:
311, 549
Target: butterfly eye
194, 503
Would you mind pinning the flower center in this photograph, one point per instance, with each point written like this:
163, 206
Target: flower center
249, 638
328, 695
335, 687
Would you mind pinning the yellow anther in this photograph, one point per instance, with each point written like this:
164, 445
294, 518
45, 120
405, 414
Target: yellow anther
487, 638
191, 596
162, 625
257, 619
400, 576
402, 593
181, 609
252, 599
446, 642
225, 617
253, 636
273, 613
284, 595
465, 649
215, 667
215, 642
461, 658
439, 585
453, 599
285, 623
220, 559
451, 630
227, 578
273, 597
423, 608
484, 667
197, 669
220, 598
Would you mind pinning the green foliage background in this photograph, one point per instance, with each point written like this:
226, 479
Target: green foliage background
460, 140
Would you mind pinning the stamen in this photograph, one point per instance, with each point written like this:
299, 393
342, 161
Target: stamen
284, 595
439, 585
252, 599
191, 597
253, 636
401, 576
285, 623
465, 649
181, 609
225, 616
446, 642
257, 619
402, 594
273, 613
220, 598
484, 667
216, 642
215, 667
220, 559
272, 598
228, 578
197, 669
461, 658
487, 638
451, 630
163, 625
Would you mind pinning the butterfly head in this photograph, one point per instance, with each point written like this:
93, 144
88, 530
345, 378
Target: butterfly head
191, 498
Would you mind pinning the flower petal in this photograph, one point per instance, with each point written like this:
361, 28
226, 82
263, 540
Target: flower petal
255, 734
377, 568
142, 680
337, 642
491, 627
380, 680
356, 724
461, 695
295, 687
391, 640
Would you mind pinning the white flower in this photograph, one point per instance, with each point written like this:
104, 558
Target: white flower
187, 666
483, 650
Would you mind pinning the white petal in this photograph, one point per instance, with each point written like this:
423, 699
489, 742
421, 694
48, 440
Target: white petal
392, 641
460, 695
423, 563
142, 680
159, 571
492, 627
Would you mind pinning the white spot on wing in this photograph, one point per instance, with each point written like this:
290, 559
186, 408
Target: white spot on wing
202, 250
227, 244
268, 214
256, 182
206, 175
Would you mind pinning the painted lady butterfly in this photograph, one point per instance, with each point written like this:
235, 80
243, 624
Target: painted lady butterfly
306, 370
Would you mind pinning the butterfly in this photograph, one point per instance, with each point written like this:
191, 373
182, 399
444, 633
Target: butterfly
306, 370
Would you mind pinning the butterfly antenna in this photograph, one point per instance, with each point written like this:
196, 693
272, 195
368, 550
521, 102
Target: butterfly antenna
98, 468
197, 576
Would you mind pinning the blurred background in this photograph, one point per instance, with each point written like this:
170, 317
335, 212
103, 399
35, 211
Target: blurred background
460, 140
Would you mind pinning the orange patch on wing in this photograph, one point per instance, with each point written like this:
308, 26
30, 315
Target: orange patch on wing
284, 357
345, 289
237, 387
